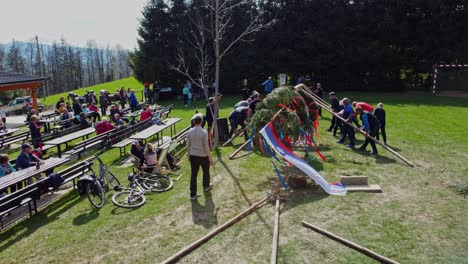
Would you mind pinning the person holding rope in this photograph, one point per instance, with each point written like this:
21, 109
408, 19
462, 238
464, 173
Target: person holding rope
198, 152
370, 125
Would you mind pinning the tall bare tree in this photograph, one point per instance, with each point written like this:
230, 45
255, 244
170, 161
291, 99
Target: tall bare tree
213, 39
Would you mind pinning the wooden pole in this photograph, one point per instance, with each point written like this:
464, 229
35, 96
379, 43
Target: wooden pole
185, 251
358, 129
239, 149
363, 250
230, 140
274, 250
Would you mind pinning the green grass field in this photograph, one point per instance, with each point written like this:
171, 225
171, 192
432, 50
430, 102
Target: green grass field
419, 218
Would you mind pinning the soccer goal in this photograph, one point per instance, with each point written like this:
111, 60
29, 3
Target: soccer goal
450, 77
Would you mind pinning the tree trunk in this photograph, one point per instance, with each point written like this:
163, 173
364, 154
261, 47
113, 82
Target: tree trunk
217, 59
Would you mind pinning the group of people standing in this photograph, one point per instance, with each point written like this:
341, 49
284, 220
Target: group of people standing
151, 92
373, 121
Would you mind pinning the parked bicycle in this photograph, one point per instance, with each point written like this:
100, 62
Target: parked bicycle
140, 183
96, 186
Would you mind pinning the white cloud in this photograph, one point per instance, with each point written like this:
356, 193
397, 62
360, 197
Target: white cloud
106, 21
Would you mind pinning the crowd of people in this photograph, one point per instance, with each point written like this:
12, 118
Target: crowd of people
373, 121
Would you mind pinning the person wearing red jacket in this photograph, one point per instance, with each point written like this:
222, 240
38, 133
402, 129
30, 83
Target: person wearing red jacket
146, 114
103, 126
364, 106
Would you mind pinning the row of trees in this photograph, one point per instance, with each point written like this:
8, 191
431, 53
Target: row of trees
69, 67
345, 44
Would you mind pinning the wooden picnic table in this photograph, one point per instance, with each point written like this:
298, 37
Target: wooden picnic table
46, 123
156, 129
8, 131
25, 174
67, 138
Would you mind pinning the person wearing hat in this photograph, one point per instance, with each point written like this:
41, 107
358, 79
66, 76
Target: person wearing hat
335, 105
26, 159
370, 126
198, 152
379, 113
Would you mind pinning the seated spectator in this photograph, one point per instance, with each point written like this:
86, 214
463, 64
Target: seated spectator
118, 122
103, 126
66, 116
61, 108
94, 111
112, 113
151, 158
5, 169
26, 158
77, 107
84, 108
137, 151
146, 114
68, 107
84, 122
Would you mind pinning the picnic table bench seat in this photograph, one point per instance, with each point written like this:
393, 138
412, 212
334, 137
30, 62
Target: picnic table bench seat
31, 193
6, 141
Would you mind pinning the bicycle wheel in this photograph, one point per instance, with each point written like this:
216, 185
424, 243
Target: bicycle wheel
128, 199
95, 194
112, 180
157, 183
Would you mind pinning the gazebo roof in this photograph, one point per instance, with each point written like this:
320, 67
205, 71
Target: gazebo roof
11, 78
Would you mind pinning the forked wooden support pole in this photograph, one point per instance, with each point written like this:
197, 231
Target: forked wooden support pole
274, 248
238, 150
363, 250
325, 106
185, 251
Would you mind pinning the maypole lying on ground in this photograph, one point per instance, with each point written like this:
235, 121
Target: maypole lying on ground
185, 251
363, 250
324, 105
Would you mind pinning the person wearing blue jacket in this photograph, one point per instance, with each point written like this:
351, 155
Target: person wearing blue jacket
5, 169
133, 101
370, 126
269, 86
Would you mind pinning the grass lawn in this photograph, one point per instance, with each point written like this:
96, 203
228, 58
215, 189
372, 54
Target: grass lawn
419, 218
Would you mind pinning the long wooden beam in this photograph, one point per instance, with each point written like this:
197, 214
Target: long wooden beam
274, 247
232, 138
185, 251
239, 149
325, 106
363, 250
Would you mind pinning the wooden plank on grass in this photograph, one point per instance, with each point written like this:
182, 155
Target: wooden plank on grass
373, 188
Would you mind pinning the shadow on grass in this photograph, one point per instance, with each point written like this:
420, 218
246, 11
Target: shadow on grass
306, 195
207, 215
28, 226
378, 158
85, 218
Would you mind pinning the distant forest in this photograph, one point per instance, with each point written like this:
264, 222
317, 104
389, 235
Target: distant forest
68, 67
344, 44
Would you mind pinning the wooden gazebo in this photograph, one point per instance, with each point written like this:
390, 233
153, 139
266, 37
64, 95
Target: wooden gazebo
17, 81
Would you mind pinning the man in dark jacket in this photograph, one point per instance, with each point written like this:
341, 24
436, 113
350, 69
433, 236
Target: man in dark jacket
26, 159
379, 113
370, 126
236, 118
335, 105
77, 107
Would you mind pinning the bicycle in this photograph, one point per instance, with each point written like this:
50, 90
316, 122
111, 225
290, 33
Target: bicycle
132, 197
154, 182
97, 186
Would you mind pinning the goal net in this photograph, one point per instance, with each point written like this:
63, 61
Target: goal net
450, 78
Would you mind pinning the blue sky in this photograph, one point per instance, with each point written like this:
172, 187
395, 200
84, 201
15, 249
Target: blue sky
106, 21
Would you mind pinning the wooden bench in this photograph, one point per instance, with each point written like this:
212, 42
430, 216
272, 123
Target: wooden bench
31, 193
89, 143
6, 141
123, 143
